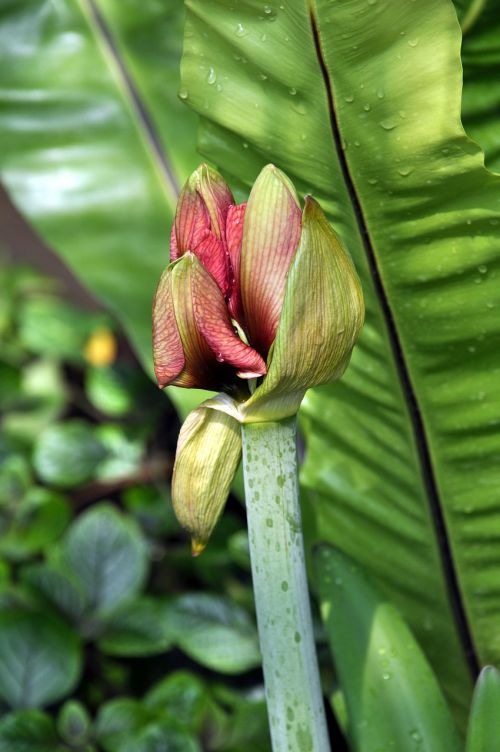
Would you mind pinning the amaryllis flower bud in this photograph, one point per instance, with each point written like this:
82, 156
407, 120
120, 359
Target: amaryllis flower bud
260, 302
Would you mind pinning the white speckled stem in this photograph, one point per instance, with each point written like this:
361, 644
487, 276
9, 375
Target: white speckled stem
293, 692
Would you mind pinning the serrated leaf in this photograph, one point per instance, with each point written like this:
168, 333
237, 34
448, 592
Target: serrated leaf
39, 519
28, 731
107, 554
40, 658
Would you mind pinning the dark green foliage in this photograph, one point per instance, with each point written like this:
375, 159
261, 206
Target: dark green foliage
106, 641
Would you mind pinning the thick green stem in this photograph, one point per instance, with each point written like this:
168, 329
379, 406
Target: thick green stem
293, 692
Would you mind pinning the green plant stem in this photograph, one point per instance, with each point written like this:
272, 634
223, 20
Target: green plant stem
293, 692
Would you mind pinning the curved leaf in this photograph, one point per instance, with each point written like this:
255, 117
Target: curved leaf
95, 143
392, 696
360, 103
483, 731
481, 62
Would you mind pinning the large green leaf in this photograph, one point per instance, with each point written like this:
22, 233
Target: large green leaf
480, 21
359, 102
95, 142
392, 696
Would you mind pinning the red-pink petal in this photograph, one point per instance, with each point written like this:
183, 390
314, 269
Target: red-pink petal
201, 368
168, 355
212, 318
174, 250
217, 198
214, 258
270, 239
192, 220
234, 235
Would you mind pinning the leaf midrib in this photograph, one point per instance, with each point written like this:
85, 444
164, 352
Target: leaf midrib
130, 93
414, 413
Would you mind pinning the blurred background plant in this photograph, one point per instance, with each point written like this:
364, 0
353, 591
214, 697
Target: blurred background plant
111, 637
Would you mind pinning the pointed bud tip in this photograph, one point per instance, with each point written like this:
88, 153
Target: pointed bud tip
197, 547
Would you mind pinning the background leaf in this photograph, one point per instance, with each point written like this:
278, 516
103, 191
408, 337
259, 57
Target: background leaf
40, 658
400, 452
107, 555
215, 632
393, 698
28, 731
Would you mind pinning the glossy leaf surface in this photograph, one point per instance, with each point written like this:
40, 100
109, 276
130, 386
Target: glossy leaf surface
483, 731
393, 698
95, 143
359, 102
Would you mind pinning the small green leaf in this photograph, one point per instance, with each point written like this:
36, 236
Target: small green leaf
39, 519
28, 731
66, 453
393, 698
107, 390
141, 627
51, 327
123, 449
59, 587
40, 658
107, 553
15, 478
215, 632
118, 720
483, 733
73, 723
183, 696
161, 737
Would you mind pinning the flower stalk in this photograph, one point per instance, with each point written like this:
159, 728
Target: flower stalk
293, 693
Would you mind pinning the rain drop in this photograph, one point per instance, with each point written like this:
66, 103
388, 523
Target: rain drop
386, 675
263, 37
413, 42
482, 269
219, 358
212, 76
349, 98
262, 76
380, 93
387, 125
240, 30
372, 181
367, 107
371, 2
268, 9
183, 93
405, 171
292, 91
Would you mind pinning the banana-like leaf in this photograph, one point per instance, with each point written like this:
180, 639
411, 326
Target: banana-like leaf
95, 143
480, 20
392, 696
359, 102
483, 732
